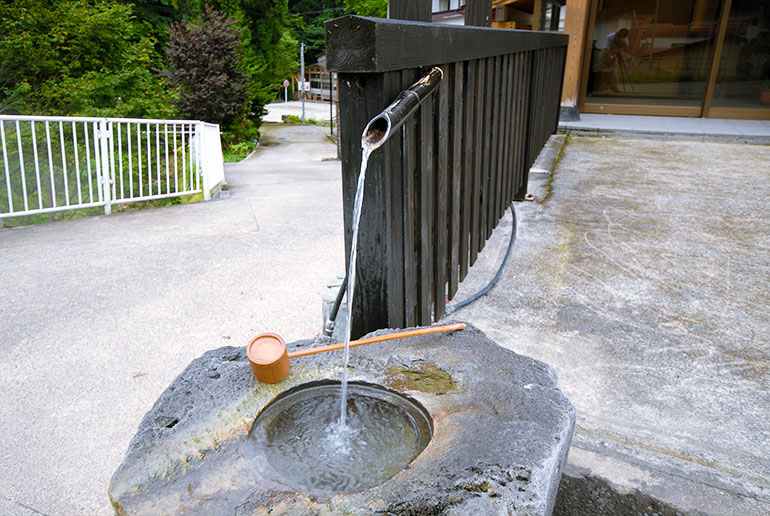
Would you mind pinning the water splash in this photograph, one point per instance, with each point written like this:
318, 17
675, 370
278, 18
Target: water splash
359, 199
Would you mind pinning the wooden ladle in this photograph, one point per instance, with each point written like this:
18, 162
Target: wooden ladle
270, 361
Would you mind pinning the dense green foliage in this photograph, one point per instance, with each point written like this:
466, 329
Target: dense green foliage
106, 58
77, 58
204, 65
310, 16
375, 8
309, 23
113, 57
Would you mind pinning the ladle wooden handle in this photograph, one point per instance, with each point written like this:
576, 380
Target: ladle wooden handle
380, 338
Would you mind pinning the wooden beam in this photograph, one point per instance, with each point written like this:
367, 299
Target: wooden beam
575, 25
715, 61
357, 44
478, 13
414, 10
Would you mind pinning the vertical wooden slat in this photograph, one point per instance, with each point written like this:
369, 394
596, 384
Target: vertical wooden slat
352, 114
525, 106
365, 96
456, 175
489, 95
514, 116
409, 163
426, 203
514, 93
509, 128
477, 153
494, 197
491, 211
394, 207
469, 94
505, 113
441, 261
504, 131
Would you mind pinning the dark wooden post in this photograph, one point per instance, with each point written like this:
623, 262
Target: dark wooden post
413, 10
478, 13
438, 187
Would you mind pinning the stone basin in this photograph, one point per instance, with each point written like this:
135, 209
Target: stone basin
501, 432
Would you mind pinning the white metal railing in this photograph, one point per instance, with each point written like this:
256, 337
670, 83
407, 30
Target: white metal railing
63, 163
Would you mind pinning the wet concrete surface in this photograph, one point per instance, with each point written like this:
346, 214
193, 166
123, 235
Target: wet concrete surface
642, 277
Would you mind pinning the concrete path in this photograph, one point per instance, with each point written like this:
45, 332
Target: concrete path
314, 110
100, 314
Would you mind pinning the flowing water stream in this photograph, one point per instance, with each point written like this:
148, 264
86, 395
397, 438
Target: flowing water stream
359, 199
378, 432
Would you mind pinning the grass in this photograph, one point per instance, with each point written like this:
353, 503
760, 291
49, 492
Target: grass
294, 119
238, 151
42, 218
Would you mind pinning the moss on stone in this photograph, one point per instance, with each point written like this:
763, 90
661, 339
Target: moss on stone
420, 376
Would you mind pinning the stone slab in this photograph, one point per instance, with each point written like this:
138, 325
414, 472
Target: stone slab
502, 430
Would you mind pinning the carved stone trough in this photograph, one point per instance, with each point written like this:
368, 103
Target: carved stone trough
501, 432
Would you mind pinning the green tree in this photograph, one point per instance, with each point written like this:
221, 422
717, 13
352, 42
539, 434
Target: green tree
375, 8
310, 16
78, 57
160, 14
205, 65
270, 51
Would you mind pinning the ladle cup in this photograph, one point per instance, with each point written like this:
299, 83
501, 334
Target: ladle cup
270, 361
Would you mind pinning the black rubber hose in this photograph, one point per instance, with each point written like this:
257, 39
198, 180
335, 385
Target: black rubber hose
452, 307
338, 301
455, 306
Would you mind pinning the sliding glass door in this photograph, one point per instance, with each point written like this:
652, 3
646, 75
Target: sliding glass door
743, 79
658, 57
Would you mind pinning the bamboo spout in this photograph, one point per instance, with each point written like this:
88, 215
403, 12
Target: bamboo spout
381, 128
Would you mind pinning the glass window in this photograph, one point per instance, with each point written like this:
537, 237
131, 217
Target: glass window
652, 51
743, 80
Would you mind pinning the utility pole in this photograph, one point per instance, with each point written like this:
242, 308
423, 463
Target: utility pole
302, 74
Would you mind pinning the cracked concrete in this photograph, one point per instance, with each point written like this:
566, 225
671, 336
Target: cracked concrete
643, 280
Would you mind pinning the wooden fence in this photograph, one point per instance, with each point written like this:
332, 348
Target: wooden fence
436, 190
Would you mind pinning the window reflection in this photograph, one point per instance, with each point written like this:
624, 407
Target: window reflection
652, 51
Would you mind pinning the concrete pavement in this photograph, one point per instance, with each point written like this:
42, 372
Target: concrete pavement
314, 110
639, 274
100, 314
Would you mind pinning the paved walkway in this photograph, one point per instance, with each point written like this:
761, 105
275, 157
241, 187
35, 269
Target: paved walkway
640, 275
100, 314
